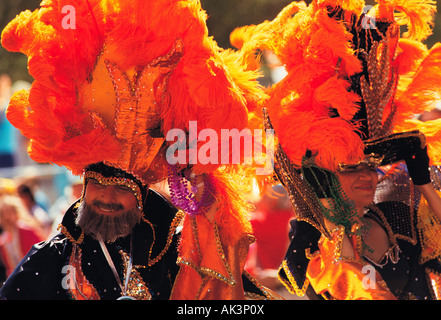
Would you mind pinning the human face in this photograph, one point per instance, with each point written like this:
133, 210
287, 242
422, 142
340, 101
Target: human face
106, 227
8, 216
109, 200
359, 186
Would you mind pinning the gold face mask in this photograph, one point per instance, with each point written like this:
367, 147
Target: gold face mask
371, 162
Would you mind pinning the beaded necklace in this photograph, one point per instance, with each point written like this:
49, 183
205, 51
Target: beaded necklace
342, 211
184, 198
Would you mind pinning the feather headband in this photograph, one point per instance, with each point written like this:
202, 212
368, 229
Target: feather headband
351, 79
112, 81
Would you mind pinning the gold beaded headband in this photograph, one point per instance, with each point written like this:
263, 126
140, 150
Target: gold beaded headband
372, 161
115, 181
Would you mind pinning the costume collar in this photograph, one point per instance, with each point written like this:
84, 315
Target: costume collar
155, 232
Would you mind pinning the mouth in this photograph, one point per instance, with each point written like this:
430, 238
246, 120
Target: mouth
366, 188
108, 208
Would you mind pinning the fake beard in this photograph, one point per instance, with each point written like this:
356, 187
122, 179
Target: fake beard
108, 228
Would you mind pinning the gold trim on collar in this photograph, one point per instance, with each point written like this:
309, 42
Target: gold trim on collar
291, 285
171, 231
67, 234
207, 271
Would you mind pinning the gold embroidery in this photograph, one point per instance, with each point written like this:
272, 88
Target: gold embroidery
434, 283
116, 181
128, 101
171, 231
380, 90
292, 285
136, 285
207, 271
64, 231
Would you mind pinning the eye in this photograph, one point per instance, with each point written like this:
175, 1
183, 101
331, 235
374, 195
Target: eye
124, 189
95, 183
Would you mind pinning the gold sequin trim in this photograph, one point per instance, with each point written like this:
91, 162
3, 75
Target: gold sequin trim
64, 231
137, 288
310, 255
207, 271
291, 285
171, 231
115, 181
254, 296
338, 234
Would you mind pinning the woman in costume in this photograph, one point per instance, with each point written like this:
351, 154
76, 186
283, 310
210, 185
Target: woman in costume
343, 120
112, 78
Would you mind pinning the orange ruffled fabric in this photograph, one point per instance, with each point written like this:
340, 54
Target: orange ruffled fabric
317, 53
212, 254
340, 278
204, 83
210, 268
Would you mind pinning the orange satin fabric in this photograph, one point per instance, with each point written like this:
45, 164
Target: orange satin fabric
210, 267
79, 287
336, 277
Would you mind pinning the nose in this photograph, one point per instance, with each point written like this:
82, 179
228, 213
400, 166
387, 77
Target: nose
108, 194
367, 175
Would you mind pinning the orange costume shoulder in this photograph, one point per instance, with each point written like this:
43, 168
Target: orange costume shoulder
337, 277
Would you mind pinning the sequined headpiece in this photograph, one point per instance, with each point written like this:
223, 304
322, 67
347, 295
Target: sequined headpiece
107, 175
351, 91
351, 80
112, 77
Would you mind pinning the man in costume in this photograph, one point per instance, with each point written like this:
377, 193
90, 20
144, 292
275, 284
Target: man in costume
110, 82
343, 117
109, 246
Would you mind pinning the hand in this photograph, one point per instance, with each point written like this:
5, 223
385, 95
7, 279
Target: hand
418, 167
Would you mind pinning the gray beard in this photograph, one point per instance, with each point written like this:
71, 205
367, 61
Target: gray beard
107, 228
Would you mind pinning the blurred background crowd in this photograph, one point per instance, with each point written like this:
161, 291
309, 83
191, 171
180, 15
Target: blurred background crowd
34, 197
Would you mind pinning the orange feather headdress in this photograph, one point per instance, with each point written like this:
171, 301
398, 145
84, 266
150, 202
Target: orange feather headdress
351, 79
110, 88
350, 94
113, 80
349, 98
